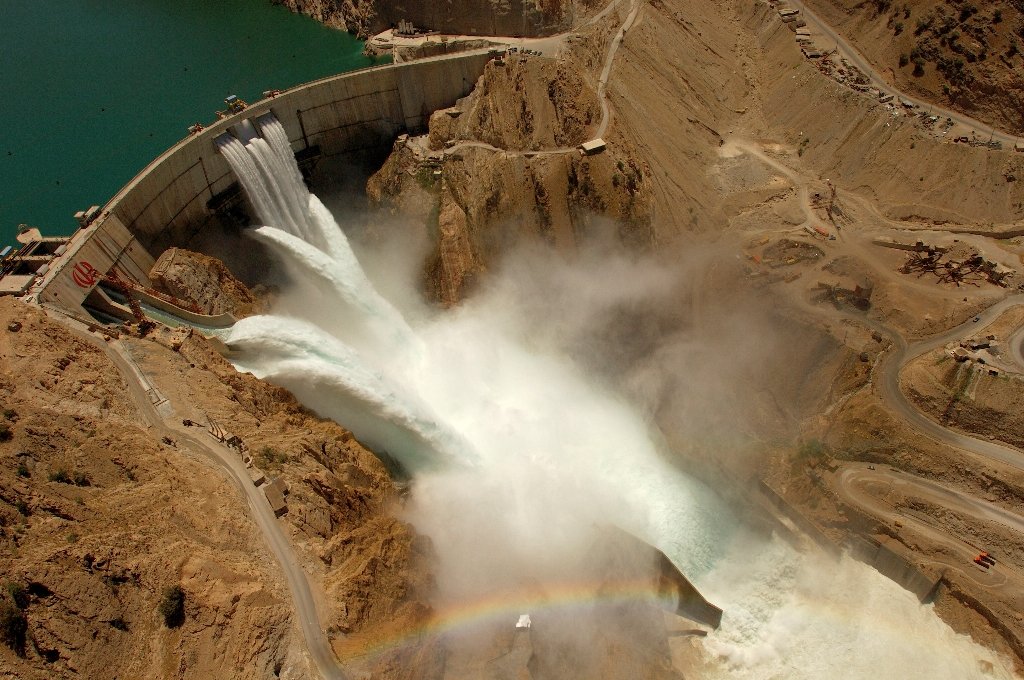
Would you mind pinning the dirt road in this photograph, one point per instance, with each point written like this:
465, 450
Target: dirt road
889, 385
602, 86
846, 50
163, 419
874, 488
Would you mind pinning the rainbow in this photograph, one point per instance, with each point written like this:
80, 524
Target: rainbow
494, 608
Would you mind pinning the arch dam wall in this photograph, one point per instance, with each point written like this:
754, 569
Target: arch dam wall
167, 202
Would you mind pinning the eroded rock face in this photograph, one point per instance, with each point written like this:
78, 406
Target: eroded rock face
523, 18
534, 185
98, 516
203, 281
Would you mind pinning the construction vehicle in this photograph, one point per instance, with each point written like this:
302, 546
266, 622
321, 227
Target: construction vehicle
234, 104
125, 289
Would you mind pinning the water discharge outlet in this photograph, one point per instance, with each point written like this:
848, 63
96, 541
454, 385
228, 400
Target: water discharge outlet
518, 456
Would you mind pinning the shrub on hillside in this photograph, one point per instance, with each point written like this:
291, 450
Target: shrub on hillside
172, 606
13, 627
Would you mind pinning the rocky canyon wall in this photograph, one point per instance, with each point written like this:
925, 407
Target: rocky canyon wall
518, 18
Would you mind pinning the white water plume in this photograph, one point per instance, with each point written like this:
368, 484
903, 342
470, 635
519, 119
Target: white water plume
518, 454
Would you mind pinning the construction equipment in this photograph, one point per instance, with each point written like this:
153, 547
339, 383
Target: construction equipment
971, 270
234, 104
122, 286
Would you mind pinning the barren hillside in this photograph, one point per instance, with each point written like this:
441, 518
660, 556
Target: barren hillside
737, 141
961, 54
101, 516
464, 17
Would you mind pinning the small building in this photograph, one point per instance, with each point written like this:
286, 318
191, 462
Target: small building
280, 485
275, 492
86, 217
885, 98
907, 104
524, 622
594, 146
1018, 147
257, 476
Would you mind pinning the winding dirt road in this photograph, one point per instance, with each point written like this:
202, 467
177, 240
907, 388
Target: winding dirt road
602, 86
163, 419
871, 487
889, 385
851, 54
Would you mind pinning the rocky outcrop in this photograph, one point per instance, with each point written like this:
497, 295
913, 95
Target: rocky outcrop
517, 18
533, 186
203, 281
98, 517
522, 104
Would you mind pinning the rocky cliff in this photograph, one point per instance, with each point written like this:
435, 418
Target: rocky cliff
203, 281
98, 517
501, 168
520, 18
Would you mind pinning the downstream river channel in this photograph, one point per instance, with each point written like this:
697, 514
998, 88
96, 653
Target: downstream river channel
92, 90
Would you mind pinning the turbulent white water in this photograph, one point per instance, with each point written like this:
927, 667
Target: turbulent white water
517, 453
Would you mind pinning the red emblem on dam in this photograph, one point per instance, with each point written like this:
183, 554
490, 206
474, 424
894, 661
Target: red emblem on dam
85, 274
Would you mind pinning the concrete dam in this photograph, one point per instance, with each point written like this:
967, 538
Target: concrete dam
102, 274
175, 197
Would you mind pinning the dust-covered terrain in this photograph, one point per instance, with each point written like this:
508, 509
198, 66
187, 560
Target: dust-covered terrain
772, 327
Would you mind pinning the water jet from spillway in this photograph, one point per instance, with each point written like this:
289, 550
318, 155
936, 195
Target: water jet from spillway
518, 455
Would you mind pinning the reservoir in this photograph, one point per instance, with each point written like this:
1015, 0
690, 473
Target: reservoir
93, 90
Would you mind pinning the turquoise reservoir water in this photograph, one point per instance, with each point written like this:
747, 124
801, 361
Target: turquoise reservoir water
92, 90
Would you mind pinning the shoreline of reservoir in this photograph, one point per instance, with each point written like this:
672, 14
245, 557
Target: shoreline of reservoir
94, 93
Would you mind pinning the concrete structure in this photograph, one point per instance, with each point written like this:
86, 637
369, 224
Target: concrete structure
275, 493
594, 146
103, 247
341, 114
19, 270
894, 567
176, 195
672, 585
257, 476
